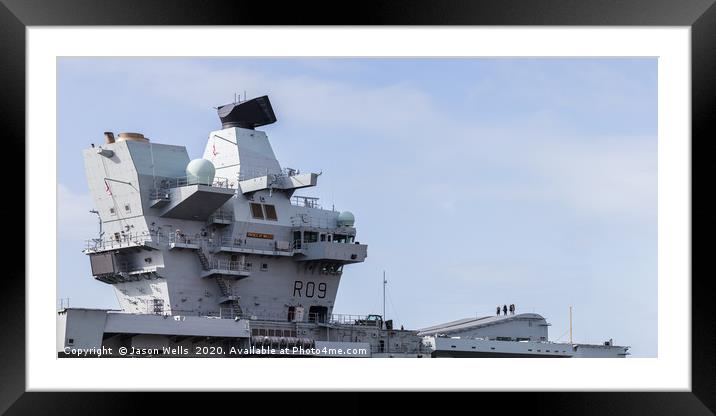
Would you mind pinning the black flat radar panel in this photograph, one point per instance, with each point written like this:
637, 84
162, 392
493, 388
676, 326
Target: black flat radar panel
247, 114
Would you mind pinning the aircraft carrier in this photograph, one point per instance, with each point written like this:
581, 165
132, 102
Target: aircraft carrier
220, 257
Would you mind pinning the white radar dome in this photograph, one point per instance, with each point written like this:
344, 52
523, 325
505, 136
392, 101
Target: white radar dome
200, 171
346, 219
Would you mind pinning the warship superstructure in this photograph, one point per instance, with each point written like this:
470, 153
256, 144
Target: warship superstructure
219, 256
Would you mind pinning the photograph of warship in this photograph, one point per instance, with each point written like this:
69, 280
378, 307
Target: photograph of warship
219, 257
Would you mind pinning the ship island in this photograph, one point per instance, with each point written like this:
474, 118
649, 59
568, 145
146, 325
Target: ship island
224, 256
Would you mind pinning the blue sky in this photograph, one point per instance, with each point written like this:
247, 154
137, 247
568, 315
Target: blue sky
474, 182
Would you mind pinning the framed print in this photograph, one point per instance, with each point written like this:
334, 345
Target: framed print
466, 180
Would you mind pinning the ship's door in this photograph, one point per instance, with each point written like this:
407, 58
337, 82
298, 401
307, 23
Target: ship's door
317, 314
291, 313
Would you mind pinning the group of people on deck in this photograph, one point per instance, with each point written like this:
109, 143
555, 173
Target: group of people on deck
505, 309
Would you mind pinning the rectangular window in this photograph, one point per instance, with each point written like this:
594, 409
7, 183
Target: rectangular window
270, 211
256, 211
310, 236
291, 313
158, 306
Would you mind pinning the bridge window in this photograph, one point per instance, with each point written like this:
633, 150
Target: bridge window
256, 211
270, 211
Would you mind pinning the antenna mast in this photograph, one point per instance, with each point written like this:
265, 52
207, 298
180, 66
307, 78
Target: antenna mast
385, 282
570, 324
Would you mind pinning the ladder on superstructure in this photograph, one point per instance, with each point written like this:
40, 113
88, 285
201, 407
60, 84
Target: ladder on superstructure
224, 286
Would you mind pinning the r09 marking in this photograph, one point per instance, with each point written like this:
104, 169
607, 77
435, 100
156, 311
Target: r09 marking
308, 289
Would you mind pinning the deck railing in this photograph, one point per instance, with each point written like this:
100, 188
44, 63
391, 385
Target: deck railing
122, 240
221, 216
306, 201
221, 264
246, 174
268, 245
177, 182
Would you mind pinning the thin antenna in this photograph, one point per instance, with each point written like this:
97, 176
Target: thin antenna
570, 324
385, 282
244, 95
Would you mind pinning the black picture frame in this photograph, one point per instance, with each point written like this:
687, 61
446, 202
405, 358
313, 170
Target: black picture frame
16, 15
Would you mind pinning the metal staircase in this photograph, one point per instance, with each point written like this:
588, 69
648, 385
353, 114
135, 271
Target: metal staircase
202, 259
228, 295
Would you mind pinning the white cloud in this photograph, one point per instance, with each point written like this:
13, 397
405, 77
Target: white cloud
603, 176
597, 176
312, 100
